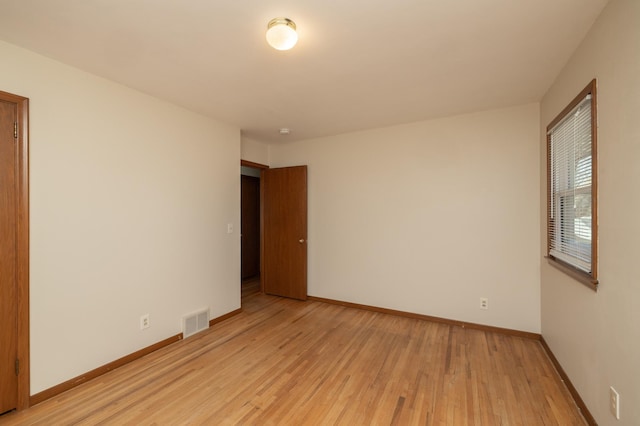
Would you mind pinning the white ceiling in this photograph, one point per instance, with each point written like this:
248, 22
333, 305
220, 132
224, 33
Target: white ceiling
357, 65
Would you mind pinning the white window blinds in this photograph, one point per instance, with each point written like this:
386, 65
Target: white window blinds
570, 197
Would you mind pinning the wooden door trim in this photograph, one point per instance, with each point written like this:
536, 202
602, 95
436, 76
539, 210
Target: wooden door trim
252, 164
22, 240
262, 167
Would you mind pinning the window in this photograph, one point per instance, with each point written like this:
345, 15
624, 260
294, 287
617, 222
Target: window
572, 237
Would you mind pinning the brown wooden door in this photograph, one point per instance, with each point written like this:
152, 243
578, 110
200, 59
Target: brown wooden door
8, 282
285, 231
250, 227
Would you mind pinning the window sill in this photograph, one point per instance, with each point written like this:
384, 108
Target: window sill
578, 275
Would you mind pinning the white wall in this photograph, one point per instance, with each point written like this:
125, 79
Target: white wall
428, 217
254, 151
130, 200
596, 336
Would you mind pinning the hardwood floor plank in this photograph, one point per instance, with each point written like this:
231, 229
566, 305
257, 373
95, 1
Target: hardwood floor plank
282, 361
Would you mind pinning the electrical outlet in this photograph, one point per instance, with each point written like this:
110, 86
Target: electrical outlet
144, 321
614, 402
229, 228
484, 303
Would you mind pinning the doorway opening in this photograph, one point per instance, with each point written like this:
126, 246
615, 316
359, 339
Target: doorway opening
274, 258
251, 227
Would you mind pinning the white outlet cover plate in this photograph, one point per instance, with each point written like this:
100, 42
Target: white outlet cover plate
614, 402
484, 303
144, 322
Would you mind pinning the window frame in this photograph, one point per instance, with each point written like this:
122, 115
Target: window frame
588, 278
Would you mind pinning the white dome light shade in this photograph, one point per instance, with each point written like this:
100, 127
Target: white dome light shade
281, 33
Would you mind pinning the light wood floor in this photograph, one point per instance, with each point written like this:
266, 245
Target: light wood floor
285, 362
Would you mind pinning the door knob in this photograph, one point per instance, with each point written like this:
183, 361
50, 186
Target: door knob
301, 241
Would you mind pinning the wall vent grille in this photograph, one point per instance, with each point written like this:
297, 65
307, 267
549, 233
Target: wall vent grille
195, 323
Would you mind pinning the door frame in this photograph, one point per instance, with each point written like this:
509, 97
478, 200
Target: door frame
22, 243
262, 167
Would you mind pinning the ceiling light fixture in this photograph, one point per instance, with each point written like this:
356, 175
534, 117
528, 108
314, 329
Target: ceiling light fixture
281, 33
